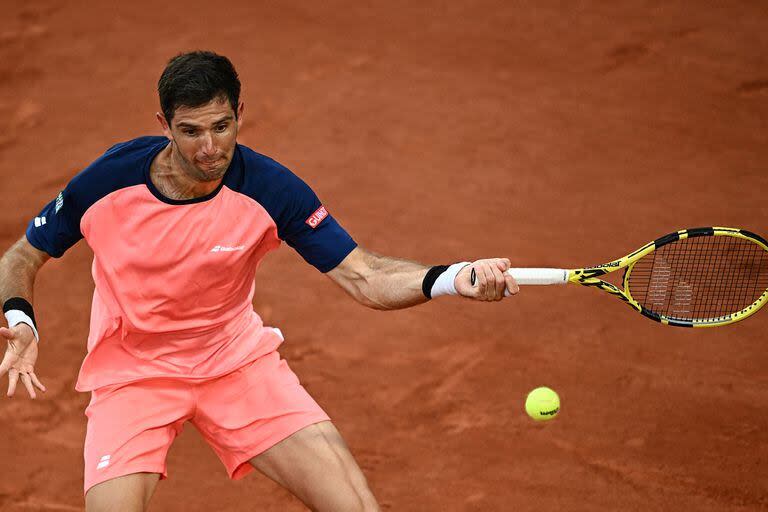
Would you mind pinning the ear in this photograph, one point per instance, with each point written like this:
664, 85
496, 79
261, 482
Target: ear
240, 109
164, 125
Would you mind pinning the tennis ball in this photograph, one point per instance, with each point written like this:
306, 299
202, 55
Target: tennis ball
542, 404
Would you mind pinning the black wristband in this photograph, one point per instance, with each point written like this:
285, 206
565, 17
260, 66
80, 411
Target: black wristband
22, 305
430, 278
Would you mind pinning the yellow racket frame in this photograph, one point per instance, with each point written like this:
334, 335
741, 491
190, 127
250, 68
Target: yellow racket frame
588, 276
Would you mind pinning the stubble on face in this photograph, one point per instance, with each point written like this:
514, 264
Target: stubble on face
191, 170
204, 140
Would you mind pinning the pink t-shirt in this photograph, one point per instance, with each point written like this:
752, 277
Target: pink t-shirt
174, 280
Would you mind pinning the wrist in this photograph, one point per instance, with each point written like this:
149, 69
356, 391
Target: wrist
441, 280
19, 311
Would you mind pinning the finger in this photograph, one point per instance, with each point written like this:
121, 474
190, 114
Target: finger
499, 283
28, 384
7, 333
493, 285
512, 285
490, 283
481, 281
5, 365
13, 378
503, 264
37, 382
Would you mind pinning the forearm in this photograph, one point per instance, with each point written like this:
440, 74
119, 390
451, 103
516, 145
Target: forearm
382, 282
18, 268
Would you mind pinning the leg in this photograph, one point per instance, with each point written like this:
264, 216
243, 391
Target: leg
129, 493
130, 429
260, 416
318, 468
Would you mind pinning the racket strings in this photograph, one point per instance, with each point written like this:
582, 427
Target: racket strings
700, 278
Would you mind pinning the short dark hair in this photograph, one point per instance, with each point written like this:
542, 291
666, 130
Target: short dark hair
195, 78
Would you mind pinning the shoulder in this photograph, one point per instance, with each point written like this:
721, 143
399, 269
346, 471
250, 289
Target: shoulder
122, 165
134, 147
259, 167
124, 156
127, 158
268, 181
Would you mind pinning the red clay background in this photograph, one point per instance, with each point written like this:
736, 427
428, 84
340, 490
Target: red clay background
557, 134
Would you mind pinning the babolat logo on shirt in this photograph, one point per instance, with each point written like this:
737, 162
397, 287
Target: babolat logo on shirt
317, 217
59, 202
226, 248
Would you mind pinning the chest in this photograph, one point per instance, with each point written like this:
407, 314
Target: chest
136, 235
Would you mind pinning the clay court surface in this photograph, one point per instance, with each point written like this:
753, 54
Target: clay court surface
555, 134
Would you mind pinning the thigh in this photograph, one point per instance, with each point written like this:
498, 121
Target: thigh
316, 465
250, 410
129, 493
131, 428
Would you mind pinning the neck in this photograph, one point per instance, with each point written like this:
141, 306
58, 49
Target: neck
172, 180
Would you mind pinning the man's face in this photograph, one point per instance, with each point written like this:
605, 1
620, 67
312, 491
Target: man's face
204, 137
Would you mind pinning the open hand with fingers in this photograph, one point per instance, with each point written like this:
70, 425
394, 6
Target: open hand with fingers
486, 280
19, 360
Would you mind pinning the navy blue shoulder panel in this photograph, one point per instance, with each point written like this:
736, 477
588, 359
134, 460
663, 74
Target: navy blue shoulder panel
301, 219
57, 226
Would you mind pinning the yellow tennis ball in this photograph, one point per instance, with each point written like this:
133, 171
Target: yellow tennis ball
542, 404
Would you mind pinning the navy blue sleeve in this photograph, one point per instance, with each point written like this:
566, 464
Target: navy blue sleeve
309, 228
302, 220
57, 227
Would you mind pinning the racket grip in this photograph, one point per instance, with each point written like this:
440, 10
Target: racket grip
539, 276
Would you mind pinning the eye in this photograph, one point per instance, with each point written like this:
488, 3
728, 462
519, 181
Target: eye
191, 133
221, 128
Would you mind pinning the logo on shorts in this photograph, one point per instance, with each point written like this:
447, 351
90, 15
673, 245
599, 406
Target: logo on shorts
317, 217
104, 462
39, 221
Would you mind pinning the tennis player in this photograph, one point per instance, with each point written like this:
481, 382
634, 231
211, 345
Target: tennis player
178, 226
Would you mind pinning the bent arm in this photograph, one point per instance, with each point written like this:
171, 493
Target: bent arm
380, 282
18, 269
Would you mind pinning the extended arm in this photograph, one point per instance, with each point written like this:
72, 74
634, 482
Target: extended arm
18, 268
382, 282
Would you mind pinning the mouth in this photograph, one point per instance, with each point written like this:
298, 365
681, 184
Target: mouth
211, 163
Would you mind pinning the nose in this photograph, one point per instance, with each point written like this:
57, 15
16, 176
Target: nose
208, 148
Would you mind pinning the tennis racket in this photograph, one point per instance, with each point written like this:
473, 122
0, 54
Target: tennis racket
699, 277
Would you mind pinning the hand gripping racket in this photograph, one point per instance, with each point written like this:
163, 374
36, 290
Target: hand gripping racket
699, 277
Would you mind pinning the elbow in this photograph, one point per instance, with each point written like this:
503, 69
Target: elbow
357, 276
366, 299
374, 305
363, 292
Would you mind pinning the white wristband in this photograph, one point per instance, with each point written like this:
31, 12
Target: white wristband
16, 317
445, 282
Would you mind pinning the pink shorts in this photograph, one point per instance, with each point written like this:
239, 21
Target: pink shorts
241, 414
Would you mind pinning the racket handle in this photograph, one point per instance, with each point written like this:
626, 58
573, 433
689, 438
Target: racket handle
539, 276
